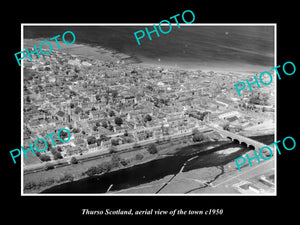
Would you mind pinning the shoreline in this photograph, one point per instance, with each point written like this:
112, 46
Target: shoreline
197, 181
163, 152
91, 51
112, 170
98, 52
248, 69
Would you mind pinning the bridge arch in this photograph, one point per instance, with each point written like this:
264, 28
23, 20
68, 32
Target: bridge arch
250, 143
244, 143
252, 147
237, 141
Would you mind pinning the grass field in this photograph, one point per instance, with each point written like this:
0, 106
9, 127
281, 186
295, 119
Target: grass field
31, 159
76, 170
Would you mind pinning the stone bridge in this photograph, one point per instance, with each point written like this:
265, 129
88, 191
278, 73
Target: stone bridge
253, 144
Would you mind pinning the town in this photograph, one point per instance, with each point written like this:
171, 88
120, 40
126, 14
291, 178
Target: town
113, 106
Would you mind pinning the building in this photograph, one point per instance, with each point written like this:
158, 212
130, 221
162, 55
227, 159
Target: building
229, 115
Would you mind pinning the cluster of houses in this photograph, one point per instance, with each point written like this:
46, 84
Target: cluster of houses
117, 103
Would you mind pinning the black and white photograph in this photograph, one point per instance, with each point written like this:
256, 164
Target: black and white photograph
145, 113
163, 117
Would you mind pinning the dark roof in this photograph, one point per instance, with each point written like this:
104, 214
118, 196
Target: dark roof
231, 119
60, 113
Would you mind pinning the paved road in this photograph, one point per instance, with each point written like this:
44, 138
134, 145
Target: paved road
246, 173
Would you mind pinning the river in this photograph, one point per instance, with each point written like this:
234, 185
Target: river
156, 169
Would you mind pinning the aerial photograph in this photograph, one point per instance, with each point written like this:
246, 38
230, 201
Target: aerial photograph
160, 118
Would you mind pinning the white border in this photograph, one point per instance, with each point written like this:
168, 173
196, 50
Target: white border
149, 24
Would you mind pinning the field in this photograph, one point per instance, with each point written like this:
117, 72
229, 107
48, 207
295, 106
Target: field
31, 159
76, 170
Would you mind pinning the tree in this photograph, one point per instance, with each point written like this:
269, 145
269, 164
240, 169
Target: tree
28, 99
44, 158
77, 69
103, 137
57, 155
226, 126
114, 142
50, 147
66, 177
98, 97
112, 149
152, 149
106, 166
49, 166
111, 113
91, 140
78, 110
98, 141
265, 98
75, 130
114, 93
128, 139
139, 156
74, 160
95, 128
259, 98
195, 131
124, 162
115, 160
118, 121
73, 93
147, 118
111, 128
63, 134
136, 145
197, 137
59, 149
92, 171
238, 128
104, 124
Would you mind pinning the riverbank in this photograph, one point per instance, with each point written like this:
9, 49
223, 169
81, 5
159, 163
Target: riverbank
184, 148
37, 182
178, 173
42, 180
208, 179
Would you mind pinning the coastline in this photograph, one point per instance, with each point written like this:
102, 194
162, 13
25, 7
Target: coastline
98, 52
242, 69
164, 150
78, 49
93, 51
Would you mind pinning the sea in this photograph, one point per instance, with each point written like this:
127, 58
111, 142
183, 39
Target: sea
238, 48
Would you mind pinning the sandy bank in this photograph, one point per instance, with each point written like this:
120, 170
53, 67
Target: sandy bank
84, 50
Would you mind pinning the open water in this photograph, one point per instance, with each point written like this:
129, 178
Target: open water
242, 47
188, 46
